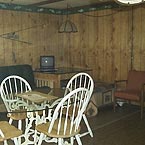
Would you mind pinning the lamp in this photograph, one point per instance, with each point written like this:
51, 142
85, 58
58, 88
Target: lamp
129, 2
67, 26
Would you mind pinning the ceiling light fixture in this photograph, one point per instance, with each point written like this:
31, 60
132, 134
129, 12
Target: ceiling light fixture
129, 2
67, 26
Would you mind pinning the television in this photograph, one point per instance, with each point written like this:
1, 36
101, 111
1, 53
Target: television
47, 62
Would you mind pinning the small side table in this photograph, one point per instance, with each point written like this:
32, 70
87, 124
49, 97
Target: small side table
102, 95
103, 92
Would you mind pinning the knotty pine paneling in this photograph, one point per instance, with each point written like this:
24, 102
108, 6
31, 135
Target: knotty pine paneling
104, 41
38, 29
139, 38
109, 51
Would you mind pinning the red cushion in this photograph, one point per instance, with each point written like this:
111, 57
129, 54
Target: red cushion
135, 80
128, 95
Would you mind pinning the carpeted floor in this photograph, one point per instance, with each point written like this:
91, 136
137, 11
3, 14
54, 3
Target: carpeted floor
106, 115
124, 127
127, 131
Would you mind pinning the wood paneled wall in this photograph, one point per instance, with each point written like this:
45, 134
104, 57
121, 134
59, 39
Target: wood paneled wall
38, 29
111, 42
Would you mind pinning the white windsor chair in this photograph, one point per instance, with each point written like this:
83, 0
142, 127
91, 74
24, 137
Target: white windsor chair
83, 80
8, 131
16, 107
66, 125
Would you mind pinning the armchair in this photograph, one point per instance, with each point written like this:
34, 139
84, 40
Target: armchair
134, 89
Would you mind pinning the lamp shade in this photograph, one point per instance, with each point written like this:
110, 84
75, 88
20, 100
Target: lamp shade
67, 27
129, 2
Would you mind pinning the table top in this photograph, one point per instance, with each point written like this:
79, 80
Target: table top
103, 86
37, 98
64, 70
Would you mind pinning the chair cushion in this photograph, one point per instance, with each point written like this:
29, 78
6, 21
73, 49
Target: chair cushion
128, 95
135, 80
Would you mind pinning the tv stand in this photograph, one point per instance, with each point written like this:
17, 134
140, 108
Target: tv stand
61, 73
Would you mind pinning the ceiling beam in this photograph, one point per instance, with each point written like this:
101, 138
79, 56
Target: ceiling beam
93, 7
45, 2
16, 7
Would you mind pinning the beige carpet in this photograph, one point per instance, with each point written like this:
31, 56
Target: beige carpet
124, 127
2, 108
129, 130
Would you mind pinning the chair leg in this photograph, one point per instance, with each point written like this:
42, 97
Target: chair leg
20, 124
19, 127
5, 142
60, 141
142, 106
114, 105
72, 140
10, 121
88, 126
40, 139
16, 141
26, 123
35, 137
78, 140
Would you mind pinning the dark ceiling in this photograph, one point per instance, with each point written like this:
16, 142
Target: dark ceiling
58, 6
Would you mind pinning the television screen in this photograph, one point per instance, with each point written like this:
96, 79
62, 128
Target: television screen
47, 62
